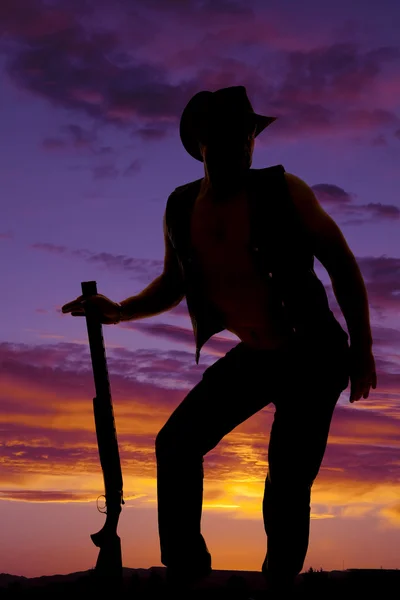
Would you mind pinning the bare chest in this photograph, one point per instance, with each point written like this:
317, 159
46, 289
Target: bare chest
221, 239
220, 233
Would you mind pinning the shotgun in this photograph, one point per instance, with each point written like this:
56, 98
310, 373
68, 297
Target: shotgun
109, 561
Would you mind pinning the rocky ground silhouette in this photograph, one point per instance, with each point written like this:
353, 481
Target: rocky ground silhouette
234, 585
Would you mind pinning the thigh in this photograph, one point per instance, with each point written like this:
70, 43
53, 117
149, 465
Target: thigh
298, 441
229, 392
304, 408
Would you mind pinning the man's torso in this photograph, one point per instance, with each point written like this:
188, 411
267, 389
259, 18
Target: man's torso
220, 236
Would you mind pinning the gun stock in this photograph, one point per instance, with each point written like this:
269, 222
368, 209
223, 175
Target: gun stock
109, 561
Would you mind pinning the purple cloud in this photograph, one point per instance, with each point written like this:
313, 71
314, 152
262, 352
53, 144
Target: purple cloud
216, 345
379, 140
144, 270
134, 168
150, 134
340, 71
115, 75
332, 194
80, 137
382, 275
385, 337
77, 137
335, 197
105, 172
84, 78
378, 210
382, 280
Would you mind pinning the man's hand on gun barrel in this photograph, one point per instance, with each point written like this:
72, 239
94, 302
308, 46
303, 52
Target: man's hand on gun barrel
107, 311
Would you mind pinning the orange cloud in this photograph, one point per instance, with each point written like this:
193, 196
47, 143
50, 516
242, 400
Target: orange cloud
49, 452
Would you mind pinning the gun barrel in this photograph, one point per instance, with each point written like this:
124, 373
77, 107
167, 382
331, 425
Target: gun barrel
109, 561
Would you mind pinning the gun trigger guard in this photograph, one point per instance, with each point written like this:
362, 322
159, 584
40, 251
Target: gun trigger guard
105, 504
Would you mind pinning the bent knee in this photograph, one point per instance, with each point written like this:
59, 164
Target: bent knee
178, 444
169, 441
162, 441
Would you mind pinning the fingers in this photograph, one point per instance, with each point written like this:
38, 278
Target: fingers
374, 381
362, 380
74, 304
84, 306
360, 391
73, 308
356, 392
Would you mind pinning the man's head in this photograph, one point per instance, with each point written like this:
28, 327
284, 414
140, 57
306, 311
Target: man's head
219, 129
226, 145
228, 132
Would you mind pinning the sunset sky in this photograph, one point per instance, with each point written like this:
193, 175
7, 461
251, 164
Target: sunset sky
91, 92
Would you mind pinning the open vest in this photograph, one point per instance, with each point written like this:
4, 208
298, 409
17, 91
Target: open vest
281, 250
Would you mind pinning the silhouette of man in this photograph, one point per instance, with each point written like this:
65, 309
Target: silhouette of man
240, 246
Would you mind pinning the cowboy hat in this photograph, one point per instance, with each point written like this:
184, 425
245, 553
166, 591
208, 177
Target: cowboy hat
205, 108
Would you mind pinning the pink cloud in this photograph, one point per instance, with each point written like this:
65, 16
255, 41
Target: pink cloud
29, 20
45, 496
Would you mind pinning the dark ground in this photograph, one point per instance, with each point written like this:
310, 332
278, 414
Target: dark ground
235, 585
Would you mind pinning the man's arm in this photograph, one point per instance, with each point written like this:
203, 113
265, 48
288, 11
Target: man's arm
332, 250
165, 292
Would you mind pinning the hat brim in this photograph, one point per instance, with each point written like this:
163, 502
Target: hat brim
187, 131
262, 123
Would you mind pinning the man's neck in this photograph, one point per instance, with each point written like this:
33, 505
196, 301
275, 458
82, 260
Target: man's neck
223, 189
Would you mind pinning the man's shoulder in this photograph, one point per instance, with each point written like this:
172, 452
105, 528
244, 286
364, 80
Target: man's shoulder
279, 170
300, 192
306, 203
295, 181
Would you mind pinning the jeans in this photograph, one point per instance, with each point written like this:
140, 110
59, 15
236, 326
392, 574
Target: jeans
304, 381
